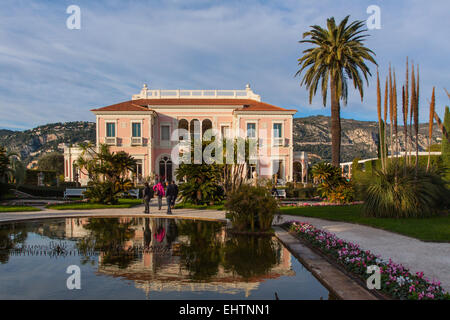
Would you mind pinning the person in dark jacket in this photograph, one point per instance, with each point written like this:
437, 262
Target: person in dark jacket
274, 192
147, 195
170, 195
176, 194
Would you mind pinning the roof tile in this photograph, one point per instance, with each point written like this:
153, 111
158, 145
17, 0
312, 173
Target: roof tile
141, 104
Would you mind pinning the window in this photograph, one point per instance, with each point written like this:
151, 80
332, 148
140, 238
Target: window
183, 128
165, 169
225, 131
136, 129
251, 130
277, 134
165, 133
250, 169
278, 169
139, 170
110, 129
206, 125
195, 129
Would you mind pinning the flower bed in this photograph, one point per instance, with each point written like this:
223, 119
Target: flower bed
396, 280
320, 204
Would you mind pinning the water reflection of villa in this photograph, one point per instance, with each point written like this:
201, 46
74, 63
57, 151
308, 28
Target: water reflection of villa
161, 267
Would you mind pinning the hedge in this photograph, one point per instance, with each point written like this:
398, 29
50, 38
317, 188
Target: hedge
42, 191
32, 177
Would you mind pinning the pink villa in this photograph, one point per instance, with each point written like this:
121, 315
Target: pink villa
143, 128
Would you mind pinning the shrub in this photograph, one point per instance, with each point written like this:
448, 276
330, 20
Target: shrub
4, 189
401, 193
305, 193
251, 208
109, 172
202, 184
332, 185
102, 192
31, 177
343, 193
43, 191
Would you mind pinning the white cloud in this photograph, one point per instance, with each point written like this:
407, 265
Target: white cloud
52, 74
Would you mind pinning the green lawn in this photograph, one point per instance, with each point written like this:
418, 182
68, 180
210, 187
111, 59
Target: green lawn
123, 203
17, 208
435, 229
200, 207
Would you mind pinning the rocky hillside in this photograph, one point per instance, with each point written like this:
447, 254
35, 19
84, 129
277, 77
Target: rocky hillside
31, 144
311, 134
359, 138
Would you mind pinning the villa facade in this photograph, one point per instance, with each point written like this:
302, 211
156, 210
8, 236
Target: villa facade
144, 127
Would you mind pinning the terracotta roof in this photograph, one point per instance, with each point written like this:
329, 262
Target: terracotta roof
261, 106
123, 106
141, 104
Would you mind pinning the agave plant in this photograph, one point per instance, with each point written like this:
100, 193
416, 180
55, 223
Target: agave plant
416, 193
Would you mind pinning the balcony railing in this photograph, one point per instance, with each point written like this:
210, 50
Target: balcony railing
196, 94
136, 141
112, 141
280, 142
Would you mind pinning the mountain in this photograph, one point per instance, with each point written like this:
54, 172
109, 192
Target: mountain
359, 138
4, 132
31, 144
311, 134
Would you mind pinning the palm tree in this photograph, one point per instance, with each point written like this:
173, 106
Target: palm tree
6, 161
338, 53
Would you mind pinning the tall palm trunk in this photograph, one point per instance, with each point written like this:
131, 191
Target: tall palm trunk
335, 125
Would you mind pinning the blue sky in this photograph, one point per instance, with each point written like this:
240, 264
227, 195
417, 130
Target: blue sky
52, 74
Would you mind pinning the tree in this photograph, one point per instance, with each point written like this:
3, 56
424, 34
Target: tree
108, 172
202, 181
233, 174
338, 53
4, 164
6, 159
18, 169
52, 161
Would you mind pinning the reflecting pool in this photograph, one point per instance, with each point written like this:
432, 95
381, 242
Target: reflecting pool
146, 258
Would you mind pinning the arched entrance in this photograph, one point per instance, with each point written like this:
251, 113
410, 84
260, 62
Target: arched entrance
297, 171
165, 167
300, 166
183, 127
206, 125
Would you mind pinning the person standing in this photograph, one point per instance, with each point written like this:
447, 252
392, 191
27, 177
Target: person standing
159, 189
274, 191
147, 196
176, 193
170, 194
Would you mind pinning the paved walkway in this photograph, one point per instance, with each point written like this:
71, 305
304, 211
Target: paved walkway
137, 211
431, 258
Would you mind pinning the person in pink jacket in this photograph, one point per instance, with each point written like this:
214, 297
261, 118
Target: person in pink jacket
159, 191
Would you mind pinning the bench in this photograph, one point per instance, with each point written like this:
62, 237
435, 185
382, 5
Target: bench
132, 193
281, 193
74, 193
